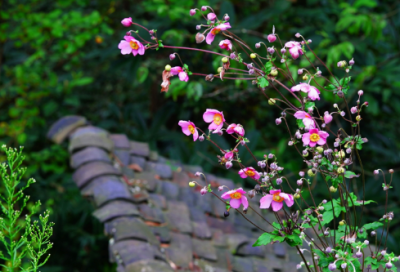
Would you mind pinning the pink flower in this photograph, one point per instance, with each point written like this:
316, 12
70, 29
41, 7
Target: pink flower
131, 45
127, 21
354, 110
236, 198
216, 118
249, 172
271, 38
177, 70
211, 17
307, 119
229, 155
314, 137
225, 44
214, 31
189, 128
327, 117
312, 92
233, 128
275, 199
294, 49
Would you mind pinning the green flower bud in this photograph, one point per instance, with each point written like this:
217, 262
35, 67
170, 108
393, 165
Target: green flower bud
296, 195
271, 101
219, 69
274, 72
305, 77
192, 184
225, 59
253, 56
310, 173
320, 149
358, 118
167, 67
305, 154
332, 189
341, 223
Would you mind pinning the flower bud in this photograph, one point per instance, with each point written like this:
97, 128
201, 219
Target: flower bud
211, 17
299, 182
274, 72
353, 110
328, 250
283, 50
373, 233
342, 113
305, 77
128, 33
298, 266
270, 156
200, 38
201, 138
258, 45
341, 223
376, 172
251, 71
220, 188
172, 56
340, 170
342, 64
383, 252
327, 118
283, 60
320, 149
300, 71
226, 214
310, 173
359, 254
296, 195
278, 181
203, 191
332, 189
228, 164
192, 184
343, 265
271, 38
319, 73
270, 50
366, 242
251, 193
168, 67
271, 101
192, 12
358, 118
297, 35
198, 27
219, 70
332, 267
360, 92
232, 55
253, 56
203, 8
226, 17
225, 60
305, 153
278, 121
351, 62
391, 171
388, 265
127, 22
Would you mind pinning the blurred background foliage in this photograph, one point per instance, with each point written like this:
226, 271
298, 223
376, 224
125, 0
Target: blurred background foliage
61, 57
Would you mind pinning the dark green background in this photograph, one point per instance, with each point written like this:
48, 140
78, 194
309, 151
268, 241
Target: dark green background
61, 57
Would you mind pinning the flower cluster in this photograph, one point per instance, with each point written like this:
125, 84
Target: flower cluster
326, 152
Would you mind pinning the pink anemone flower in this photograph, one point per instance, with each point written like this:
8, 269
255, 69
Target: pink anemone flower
131, 45
236, 198
249, 172
307, 119
294, 49
314, 137
189, 128
214, 31
177, 70
225, 44
216, 118
233, 128
311, 91
275, 199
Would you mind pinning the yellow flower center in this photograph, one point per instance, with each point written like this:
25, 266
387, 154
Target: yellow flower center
314, 137
134, 45
215, 31
277, 198
250, 173
236, 195
191, 129
307, 115
217, 119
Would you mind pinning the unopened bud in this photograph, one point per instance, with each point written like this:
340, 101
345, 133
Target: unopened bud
274, 72
296, 195
251, 193
168, 67
192, 12
300, 71
198, 27
358, 118
220, 188
192, 184
310, 173
360, 92
332, 189
320, 149
258, 45
351, 62
226, 17
225, 60
391, 171
253, 56
278, 121
203, 8
200, 38
201, 138
219, 70
305, 77
283, 50
340, 170
341, 223
271, 101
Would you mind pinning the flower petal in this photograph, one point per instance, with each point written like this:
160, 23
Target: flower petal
245, 202
210, 37
235, 203
276, 206
300, 114
265, 201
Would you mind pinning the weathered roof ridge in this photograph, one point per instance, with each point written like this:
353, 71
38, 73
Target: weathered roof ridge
155, 222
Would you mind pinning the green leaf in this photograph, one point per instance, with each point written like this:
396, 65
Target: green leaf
309, 105
294, 240
300, 123
142, 74
264, 239
268, 67
349, 175
262, 82
330, 87
372, 226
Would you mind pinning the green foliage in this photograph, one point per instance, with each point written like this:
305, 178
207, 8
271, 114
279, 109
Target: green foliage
22, 239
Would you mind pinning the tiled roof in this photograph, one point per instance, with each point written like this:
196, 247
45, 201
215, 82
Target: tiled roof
154, 220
